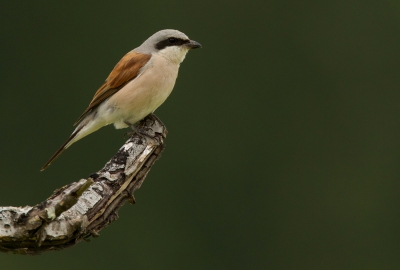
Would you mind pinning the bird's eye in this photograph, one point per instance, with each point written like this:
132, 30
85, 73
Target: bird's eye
172, 40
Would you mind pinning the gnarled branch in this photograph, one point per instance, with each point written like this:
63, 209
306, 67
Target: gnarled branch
81, 209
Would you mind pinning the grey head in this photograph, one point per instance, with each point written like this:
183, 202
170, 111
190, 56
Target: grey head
167, 38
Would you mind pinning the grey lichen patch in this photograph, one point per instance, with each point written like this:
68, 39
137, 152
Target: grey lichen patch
51, 212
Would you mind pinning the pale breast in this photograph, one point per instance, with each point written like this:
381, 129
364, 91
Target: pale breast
144, 94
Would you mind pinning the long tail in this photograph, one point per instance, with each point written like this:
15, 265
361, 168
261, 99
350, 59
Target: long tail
62, 148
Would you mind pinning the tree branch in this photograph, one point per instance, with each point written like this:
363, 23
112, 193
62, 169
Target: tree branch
81, 209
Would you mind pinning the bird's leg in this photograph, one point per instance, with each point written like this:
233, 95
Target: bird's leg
132, 126
140, 131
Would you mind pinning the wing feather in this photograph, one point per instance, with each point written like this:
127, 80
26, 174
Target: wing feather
127, 69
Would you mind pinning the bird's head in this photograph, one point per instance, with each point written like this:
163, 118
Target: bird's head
172, 44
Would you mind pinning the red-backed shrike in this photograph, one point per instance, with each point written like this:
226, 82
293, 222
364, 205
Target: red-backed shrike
139, 83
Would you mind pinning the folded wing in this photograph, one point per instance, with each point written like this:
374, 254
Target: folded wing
127, 69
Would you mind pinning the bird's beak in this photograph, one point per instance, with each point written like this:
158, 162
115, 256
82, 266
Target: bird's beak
193, 44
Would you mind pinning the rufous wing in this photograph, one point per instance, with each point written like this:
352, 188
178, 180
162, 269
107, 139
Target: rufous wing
127, 69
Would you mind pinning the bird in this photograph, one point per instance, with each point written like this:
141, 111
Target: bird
139, 83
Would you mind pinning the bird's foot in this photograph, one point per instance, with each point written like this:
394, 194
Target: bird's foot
141, 131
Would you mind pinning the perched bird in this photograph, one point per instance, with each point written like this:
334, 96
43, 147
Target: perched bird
139, 83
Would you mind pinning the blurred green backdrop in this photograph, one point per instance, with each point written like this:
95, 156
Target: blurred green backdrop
283, 148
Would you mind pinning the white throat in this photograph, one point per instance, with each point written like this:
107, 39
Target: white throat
175, 54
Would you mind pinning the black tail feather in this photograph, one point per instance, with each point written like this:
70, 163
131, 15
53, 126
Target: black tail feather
60, 150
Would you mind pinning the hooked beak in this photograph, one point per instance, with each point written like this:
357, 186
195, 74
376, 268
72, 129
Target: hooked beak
193, 44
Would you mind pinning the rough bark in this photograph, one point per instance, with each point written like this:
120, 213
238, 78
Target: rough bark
80, 210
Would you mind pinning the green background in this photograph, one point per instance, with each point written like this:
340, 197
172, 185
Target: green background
284, 134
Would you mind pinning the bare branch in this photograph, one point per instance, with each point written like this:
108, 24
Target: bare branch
81, 209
